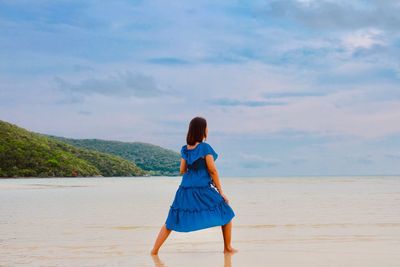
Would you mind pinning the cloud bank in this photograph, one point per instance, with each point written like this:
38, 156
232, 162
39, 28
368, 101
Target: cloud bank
288, 87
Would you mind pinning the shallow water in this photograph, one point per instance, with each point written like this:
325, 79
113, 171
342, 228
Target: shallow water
280, 221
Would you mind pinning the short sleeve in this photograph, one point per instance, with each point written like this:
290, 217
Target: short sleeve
202, 150
207, 149
183, 152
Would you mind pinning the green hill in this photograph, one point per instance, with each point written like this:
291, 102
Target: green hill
27, 154
154, 159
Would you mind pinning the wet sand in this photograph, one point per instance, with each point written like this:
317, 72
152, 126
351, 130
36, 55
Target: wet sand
280, 221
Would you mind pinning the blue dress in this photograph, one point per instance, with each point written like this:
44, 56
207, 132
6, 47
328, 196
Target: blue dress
197, 203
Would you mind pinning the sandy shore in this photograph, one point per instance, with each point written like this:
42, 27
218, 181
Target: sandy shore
326, 221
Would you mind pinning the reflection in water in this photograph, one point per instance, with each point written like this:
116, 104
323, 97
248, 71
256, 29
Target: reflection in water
227, 260
159, 263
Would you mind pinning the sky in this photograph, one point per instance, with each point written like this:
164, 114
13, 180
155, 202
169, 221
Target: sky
288, 88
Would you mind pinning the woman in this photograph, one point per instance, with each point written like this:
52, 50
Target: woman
199, 202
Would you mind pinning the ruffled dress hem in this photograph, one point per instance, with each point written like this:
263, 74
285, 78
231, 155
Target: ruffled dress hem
199, 219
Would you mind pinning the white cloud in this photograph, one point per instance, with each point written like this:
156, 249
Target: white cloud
338, 15
123, 84
365, 39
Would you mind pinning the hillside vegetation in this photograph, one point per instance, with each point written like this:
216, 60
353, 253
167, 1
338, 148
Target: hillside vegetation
151, 158
27, 154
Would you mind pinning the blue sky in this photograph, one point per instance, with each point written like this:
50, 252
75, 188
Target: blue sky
287, 87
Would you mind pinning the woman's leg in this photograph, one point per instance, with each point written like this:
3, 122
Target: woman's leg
227, 234
162, 236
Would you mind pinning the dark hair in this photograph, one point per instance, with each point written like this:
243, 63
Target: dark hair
197, 131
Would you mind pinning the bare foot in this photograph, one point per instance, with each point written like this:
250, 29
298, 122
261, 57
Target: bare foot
230, 250
153, 252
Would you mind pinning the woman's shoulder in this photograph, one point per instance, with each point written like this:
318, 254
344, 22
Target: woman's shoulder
207, 146
207, 149
201, 149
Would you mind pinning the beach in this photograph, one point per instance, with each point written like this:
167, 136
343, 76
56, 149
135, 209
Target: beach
280, 221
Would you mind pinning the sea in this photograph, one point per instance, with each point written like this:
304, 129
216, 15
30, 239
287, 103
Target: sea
279, 221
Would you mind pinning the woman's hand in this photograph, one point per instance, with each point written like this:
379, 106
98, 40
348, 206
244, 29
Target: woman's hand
225, 197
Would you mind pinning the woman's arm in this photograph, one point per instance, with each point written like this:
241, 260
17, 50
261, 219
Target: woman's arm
183, 166
212, 169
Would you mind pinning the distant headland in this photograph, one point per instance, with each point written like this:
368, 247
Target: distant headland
28, 154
